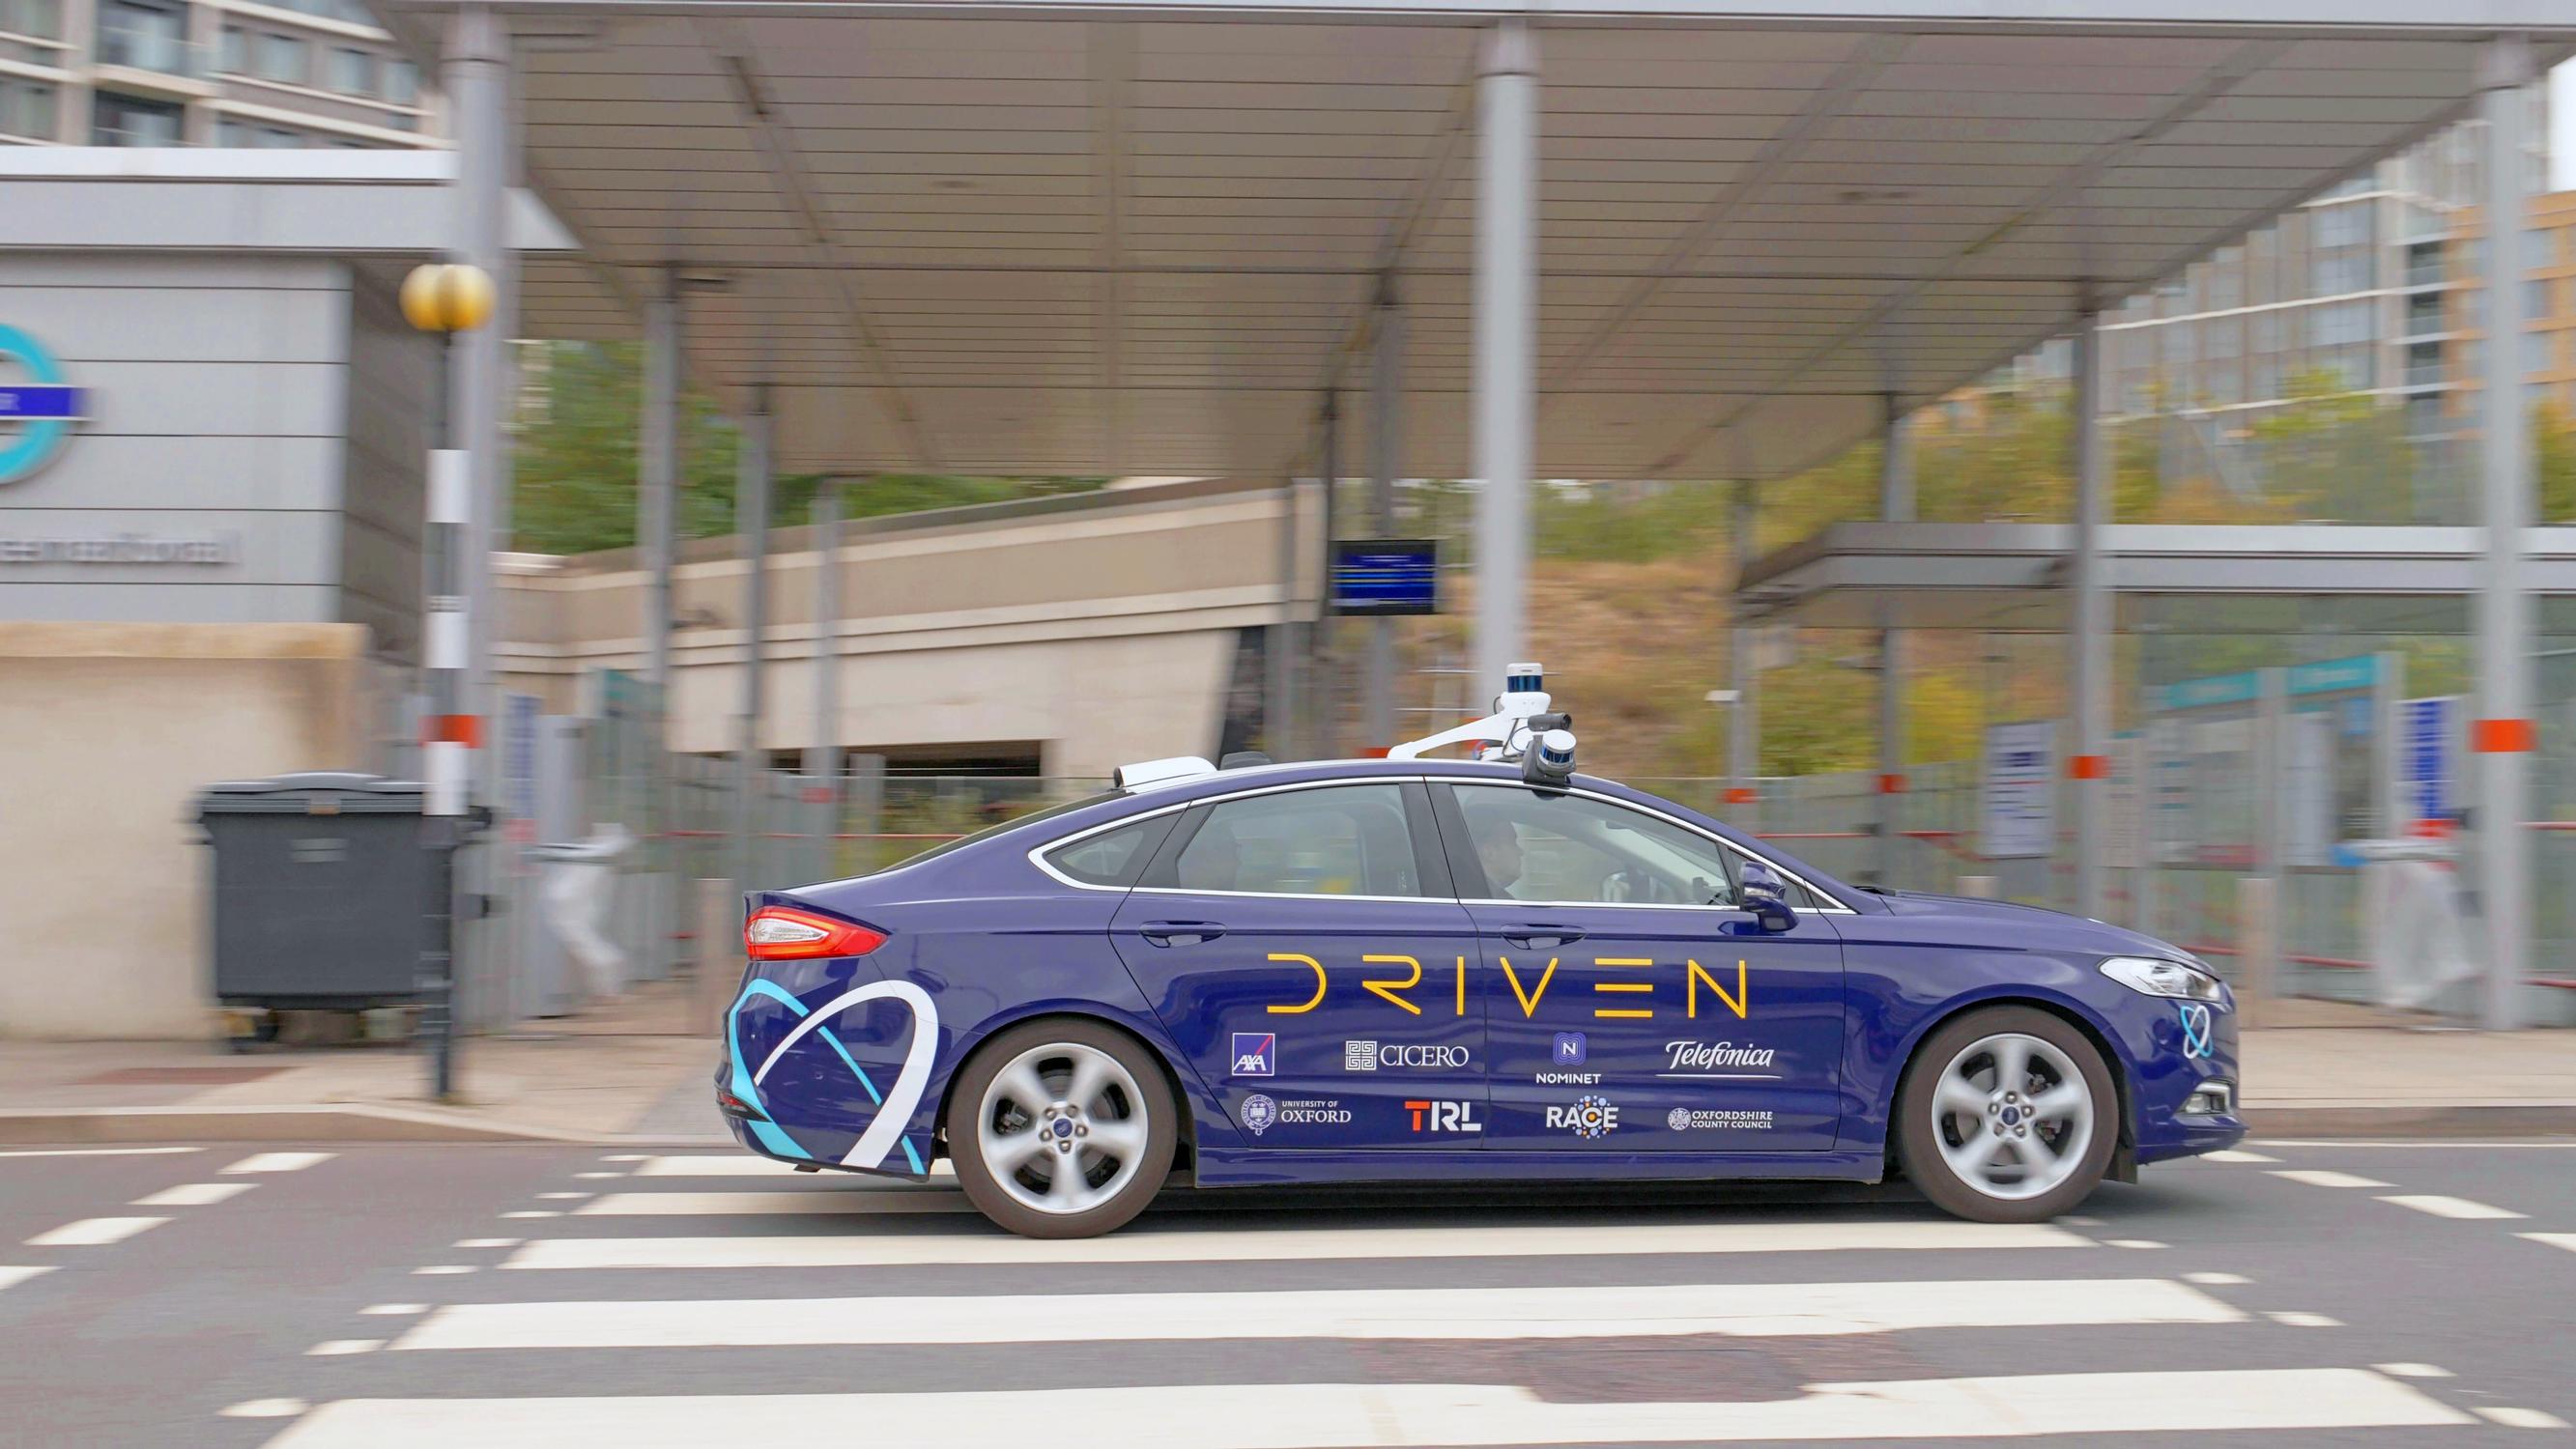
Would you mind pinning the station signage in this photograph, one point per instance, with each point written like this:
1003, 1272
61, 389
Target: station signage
1385, 576
38, 405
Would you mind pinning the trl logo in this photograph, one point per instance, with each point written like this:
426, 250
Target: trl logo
1444, 1117
1256, 1053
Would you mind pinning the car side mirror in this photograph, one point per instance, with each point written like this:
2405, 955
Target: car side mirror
1767, 897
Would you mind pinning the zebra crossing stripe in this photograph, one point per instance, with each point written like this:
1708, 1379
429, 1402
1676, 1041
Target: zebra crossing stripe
1353, 1416
745, 1164
1204, 1245
763, 1204
1661, 1310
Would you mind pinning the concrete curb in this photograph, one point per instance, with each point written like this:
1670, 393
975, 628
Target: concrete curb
2413, 1119
321, 1122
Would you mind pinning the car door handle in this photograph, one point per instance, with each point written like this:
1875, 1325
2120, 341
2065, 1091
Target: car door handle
1539, 936
1180, 933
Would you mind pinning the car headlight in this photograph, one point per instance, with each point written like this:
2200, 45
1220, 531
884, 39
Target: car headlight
2163, 978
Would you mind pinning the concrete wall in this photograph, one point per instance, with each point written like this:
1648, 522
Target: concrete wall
107, 732
1102, 627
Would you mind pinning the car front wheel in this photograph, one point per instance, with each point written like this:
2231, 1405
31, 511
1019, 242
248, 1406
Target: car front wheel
2008, 1116
1061, 1129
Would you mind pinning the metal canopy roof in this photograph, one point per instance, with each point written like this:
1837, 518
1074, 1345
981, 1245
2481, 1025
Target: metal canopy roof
1076, 238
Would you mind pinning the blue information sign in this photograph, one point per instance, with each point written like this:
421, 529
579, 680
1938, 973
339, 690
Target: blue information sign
1386, 576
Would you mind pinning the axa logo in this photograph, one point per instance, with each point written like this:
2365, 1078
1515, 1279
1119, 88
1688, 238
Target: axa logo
1256, 1053
39, 410
1444, 1116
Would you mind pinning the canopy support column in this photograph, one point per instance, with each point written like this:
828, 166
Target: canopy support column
2504, 733
1386, 449
1895, 505
2088, 640
1506, 327
751, 519
823, 751
1744, 719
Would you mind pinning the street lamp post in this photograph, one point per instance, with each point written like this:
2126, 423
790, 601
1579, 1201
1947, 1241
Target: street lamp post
443, 300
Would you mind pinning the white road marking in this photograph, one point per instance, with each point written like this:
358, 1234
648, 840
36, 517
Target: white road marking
2522, 1418
755, 1204
1288, 1245
2321, 1177
98, 1151
442, 1270
596, 1175
744, 1164
2236, 1154
1348, 1416
2413, 1370
281, 1161
266, 1409
2138, 1243
2216, 1280
2296, 1319
343, 1347
2451, 1207
93, 1232
524, 1213
627, 1157
2075, 1221
487, 1242
394, 1310
563, 1196
195, 1194
11, 1277
2555, 1240
1661, 1310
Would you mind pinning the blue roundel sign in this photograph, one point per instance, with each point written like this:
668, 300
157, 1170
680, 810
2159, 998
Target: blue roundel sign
36, 411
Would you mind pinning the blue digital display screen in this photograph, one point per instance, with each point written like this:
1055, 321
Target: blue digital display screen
1386, 576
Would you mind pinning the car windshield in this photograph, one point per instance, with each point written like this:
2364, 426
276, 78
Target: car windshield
988, 832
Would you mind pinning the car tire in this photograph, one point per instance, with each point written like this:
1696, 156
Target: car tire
1996, 1151
1015, 1128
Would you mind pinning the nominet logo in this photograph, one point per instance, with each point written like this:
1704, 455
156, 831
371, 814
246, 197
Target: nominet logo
1444, 1117
1256, 1053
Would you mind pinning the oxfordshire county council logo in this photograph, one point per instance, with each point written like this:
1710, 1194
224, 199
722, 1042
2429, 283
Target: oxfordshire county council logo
44, 408
1678, 1119
2197, 1038
1256, 1053
1259, 1112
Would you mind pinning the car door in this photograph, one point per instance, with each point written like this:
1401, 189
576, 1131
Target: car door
1635, 1006
1304, 948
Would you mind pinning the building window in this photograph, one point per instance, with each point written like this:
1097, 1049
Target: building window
121, 120
353, 72
2423, 363
233, 57
2342, 322
2342, 226
2423, 313
40, 19
26, 108
143, 35
2337, 273
402, 82
2424, 264
281, 58
2535, 298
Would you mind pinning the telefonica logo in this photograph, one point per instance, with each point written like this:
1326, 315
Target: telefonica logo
36, 412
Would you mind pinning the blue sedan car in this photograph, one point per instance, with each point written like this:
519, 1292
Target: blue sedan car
1405, 970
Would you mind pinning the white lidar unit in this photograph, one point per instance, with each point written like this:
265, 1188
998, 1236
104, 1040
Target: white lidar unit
1521, 729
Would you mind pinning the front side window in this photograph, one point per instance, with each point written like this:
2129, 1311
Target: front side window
1342, 840
1536, 845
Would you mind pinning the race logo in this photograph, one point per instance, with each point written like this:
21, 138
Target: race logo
1684, 1119
1444, 1117
2198, 1038
1259, 1112
1256, 1053
1590, 1118
1717, 1059
1368, 1056
1570, 1049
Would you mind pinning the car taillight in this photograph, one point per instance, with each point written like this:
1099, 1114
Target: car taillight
783, 933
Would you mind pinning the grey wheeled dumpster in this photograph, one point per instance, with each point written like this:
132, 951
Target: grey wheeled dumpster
319, 883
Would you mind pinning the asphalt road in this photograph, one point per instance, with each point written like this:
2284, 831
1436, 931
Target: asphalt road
2344, 1293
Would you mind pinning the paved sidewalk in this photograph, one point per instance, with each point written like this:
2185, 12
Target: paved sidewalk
636, 1071
631, 1069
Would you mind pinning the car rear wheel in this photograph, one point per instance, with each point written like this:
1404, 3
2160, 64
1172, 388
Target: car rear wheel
1061, 1129
2008, 1116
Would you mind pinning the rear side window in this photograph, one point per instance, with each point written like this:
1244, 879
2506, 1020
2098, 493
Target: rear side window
1112, 857
1342, 840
